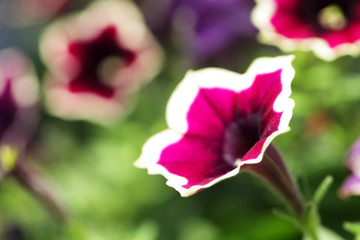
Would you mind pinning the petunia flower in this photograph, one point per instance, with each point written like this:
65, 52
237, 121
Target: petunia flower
96, 59
202, 28
351, 185
18, 100
219, 121
18, 107
329, 28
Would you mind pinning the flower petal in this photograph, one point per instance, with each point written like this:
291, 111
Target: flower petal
190, 163
220, 120
276, 20
189, 110
63, 102
103, 54
18, 98
264, 90
353, 158
350, 187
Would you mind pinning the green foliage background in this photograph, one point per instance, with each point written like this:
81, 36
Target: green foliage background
108, 198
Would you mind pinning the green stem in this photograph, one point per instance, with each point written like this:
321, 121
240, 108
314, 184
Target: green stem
40, 187
273, 171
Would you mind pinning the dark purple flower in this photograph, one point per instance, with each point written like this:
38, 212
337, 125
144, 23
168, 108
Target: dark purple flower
330, 28
202, 27
351, 186
97, 58
220, 120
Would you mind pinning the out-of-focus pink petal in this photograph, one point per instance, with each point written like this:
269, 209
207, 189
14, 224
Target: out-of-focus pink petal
350, 187
102, 54
18, 98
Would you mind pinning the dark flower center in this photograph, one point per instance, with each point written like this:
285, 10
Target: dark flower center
240, 136
7, 109
99, 58
326, 15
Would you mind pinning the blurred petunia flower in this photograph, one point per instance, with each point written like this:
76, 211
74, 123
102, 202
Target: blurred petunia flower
202, 27
26, 12
18, 98
97, 58
18, 103
351, 186
218, 121
329, 28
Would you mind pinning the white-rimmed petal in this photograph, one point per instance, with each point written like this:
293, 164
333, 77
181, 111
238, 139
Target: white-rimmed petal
180, 110
215, 117
131, 33
150, 156
150, 159
62, 102
262, 16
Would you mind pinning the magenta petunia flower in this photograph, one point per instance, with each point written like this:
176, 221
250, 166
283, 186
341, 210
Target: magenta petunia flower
96, 59
218, 121
351, 186
18, 98
329, 28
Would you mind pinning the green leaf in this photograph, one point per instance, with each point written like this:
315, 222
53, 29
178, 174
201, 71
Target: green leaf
324, 234
353, 227
322, 189
312, 221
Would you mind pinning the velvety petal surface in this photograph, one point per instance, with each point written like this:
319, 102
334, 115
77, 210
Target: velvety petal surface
221, 120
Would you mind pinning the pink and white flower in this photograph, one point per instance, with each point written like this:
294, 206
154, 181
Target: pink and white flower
351, 185
18, 98
218, 121
328, 28
97, 58
18, 107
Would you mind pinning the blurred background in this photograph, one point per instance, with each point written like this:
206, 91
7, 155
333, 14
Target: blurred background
90, 166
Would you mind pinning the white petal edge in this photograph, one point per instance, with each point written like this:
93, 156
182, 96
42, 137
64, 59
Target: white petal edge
261, 18
61, 102
19, 69
282, 103
184, 95
180, 102
87, 24
187, 90
150, 156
